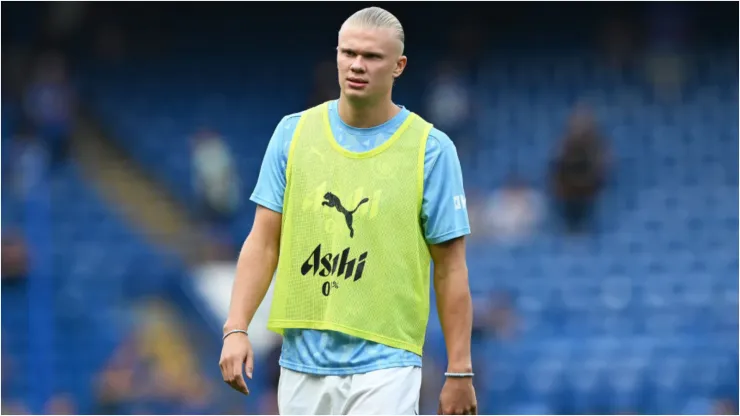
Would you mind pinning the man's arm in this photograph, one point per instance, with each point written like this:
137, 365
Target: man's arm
255, 268
258, 258
454, 303
455, 308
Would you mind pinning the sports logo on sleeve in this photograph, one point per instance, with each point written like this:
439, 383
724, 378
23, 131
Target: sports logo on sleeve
460, 202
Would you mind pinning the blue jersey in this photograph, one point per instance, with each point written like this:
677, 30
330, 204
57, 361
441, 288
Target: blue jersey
444, 217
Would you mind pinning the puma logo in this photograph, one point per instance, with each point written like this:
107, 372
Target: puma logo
332, 201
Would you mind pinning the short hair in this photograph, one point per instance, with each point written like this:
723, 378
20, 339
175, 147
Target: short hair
377, 18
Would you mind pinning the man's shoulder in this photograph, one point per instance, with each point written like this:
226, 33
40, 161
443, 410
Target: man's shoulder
291, 120
437, 139
287, 125
441, 138
438, 142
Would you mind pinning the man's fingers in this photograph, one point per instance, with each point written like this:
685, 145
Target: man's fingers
249, 364
240, 385
231, 371
236, 380
225, 370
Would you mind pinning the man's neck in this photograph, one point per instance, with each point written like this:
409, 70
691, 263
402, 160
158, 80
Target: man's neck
365, 117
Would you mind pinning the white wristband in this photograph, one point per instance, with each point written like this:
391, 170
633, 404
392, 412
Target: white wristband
459, 375
235, 331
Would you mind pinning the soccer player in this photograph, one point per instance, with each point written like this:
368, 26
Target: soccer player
355, 198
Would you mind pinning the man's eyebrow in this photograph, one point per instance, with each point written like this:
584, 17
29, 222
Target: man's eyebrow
368, 53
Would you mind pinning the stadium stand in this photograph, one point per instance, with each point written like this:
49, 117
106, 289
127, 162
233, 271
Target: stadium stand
638, 317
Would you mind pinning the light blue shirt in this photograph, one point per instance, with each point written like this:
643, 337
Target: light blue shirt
444, 217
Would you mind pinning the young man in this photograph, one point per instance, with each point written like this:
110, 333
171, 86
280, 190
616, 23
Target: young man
355, 197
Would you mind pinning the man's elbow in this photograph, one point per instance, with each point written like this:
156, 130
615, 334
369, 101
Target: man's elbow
449, 260
268, 248
457, 271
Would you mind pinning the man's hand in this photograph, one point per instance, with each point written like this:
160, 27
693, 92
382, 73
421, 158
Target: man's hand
458, 397
236, 352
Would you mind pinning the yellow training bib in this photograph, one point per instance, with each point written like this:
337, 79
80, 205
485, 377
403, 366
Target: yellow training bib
353, 258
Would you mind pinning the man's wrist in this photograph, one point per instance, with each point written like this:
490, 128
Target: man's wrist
234, 331
233, 326
459, 368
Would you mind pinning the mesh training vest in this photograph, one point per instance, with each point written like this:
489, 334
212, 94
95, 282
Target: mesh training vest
353, 258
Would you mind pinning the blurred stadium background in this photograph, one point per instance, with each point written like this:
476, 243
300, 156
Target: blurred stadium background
599, 144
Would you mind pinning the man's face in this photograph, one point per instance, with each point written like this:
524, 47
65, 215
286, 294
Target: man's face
368, 61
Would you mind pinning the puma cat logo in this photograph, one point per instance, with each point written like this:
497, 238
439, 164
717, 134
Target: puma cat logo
333, 201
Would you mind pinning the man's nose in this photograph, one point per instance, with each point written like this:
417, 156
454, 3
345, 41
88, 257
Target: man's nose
357, 65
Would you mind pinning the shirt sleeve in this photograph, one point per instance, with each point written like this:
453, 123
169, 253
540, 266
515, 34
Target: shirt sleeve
444, 209
270, 188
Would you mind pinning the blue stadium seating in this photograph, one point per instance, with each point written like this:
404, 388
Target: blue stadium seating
98, 263
641, 316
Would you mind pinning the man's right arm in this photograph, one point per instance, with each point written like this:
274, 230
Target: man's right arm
257, 261
255, 268
258, 258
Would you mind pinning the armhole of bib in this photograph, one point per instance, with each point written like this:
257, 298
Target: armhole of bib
422, 157
291, 151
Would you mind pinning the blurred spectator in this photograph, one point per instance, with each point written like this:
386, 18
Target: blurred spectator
667, 41
50, 105
215, 180
63, 19
579, 170
494, 322
14, 257
61, 404
496, 317
14, 408
325, 84
217, 246
448, 101
514, 212
116, 384
725, 407
155, 368
31, 160
619, 43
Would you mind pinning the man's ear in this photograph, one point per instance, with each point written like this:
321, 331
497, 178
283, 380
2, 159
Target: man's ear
400, 66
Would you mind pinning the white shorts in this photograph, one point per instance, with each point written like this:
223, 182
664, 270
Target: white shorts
394, 391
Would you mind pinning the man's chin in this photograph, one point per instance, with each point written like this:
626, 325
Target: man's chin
354, 92
356, 96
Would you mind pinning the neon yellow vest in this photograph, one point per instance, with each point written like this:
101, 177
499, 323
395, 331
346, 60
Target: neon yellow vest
353, 258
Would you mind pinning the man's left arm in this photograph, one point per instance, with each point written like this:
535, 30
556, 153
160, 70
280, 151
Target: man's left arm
454, 303
455, 309
445, 221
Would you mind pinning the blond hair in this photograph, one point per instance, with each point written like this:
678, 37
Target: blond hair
377, 18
